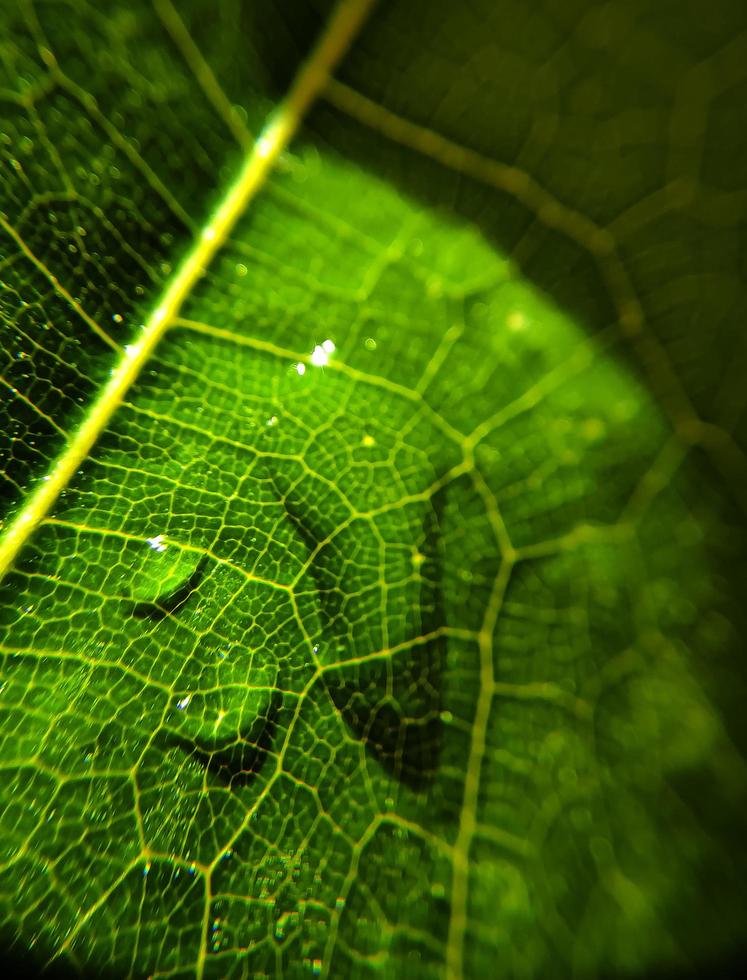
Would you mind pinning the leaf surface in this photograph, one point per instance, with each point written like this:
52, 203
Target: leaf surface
387, 624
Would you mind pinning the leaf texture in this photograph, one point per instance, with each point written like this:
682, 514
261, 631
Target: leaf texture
373, 478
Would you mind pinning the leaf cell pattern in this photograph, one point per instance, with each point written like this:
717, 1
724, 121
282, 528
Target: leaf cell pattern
387, 625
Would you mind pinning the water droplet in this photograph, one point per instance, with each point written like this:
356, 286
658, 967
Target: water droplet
320, 354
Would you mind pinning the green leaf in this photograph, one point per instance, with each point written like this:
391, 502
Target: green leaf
373, 466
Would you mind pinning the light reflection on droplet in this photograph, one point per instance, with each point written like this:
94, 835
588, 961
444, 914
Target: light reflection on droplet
320, 354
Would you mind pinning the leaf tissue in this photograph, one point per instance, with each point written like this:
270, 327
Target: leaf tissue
372, 443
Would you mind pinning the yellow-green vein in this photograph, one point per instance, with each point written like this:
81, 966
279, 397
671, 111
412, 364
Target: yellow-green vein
311, 78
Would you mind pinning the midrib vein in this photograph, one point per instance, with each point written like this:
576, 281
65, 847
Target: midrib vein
281, 126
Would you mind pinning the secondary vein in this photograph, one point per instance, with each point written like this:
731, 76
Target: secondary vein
281, 126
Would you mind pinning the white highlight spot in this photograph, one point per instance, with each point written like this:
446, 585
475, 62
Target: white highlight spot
157, 543
320, 354
264, 146
133, 350
300, 369
183, 702
208, 234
